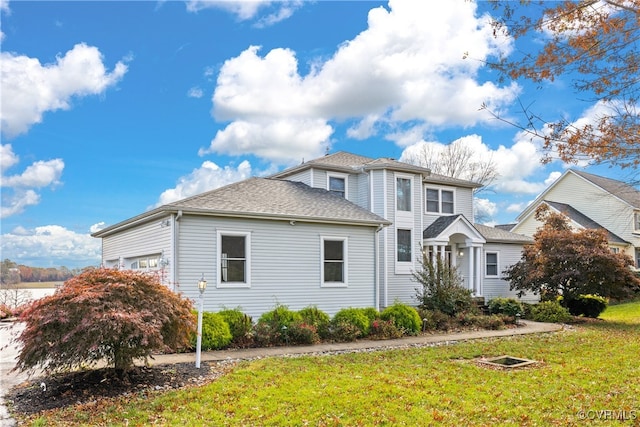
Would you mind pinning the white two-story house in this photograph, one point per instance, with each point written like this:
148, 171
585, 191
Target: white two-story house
591, 202
339, 231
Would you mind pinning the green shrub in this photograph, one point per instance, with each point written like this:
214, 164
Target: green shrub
215, 331
550, 311
586, 305
319, 319
343, 331
404, 317
371, 313
527, 310
240, 325
280, 316
384, 330
436, 320
441, 288
354, 316
301, 333
271, 326
509, 306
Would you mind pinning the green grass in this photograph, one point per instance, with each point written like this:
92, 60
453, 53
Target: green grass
591, 367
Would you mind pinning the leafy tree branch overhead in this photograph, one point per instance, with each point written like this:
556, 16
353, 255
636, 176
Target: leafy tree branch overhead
593, 43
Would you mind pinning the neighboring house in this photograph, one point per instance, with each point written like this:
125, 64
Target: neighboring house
339, 231
591, 202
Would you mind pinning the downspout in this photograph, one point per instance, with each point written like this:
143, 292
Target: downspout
376, 248
174, 252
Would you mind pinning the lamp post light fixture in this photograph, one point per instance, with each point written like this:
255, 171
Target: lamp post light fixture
202, 285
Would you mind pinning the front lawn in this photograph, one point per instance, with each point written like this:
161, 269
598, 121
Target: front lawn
587, 371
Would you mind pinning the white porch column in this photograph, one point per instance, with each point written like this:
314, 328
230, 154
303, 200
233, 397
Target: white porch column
441, 252
472, 270
479, 267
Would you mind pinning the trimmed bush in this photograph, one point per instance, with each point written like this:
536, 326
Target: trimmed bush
215, 331
240, 325
586, 305
272, 325
353, 316
551, 312
302, 333
508, 306
404, 317
280, 316
371, 313
319, 319
384, 330
343, 331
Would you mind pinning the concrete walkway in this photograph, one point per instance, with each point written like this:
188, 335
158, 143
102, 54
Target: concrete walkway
526, 327
10, 379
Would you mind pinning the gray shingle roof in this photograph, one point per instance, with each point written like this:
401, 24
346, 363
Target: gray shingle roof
586, 222
618, 188
278, 198
492, 234
352, 162
438, 226
265, 198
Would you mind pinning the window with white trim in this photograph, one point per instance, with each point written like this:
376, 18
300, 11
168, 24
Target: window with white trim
403, 194
403, 243
337, 184
334, 261
491, 264
636, 222
144, 263
439, 201
234, 266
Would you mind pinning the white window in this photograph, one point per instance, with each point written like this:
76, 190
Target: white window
439, 201
636, 222
404, 246
403, 194
333, 270
144, 263
491, 264
615, 250
234, 260
337, 184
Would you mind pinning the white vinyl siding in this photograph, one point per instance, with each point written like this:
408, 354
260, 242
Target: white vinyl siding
285, 265
144, 242
495, 286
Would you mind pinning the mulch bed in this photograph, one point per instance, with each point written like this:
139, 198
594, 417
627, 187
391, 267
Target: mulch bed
71, 388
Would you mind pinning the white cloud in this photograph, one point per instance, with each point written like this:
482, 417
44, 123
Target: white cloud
405, 73
208, 177
246, 10
30, 89
18, 190
51, 245
97, 227
16, 203
484, 208
195, 92
39, 174
516, 207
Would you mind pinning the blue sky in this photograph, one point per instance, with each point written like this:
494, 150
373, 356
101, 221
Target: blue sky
109, 109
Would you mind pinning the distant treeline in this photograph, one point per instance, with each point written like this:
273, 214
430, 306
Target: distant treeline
12, 273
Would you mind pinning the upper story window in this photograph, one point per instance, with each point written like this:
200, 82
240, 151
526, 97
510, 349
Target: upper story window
233, 259
636, 222
338, 186
334, 261
403, 194
439, 201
